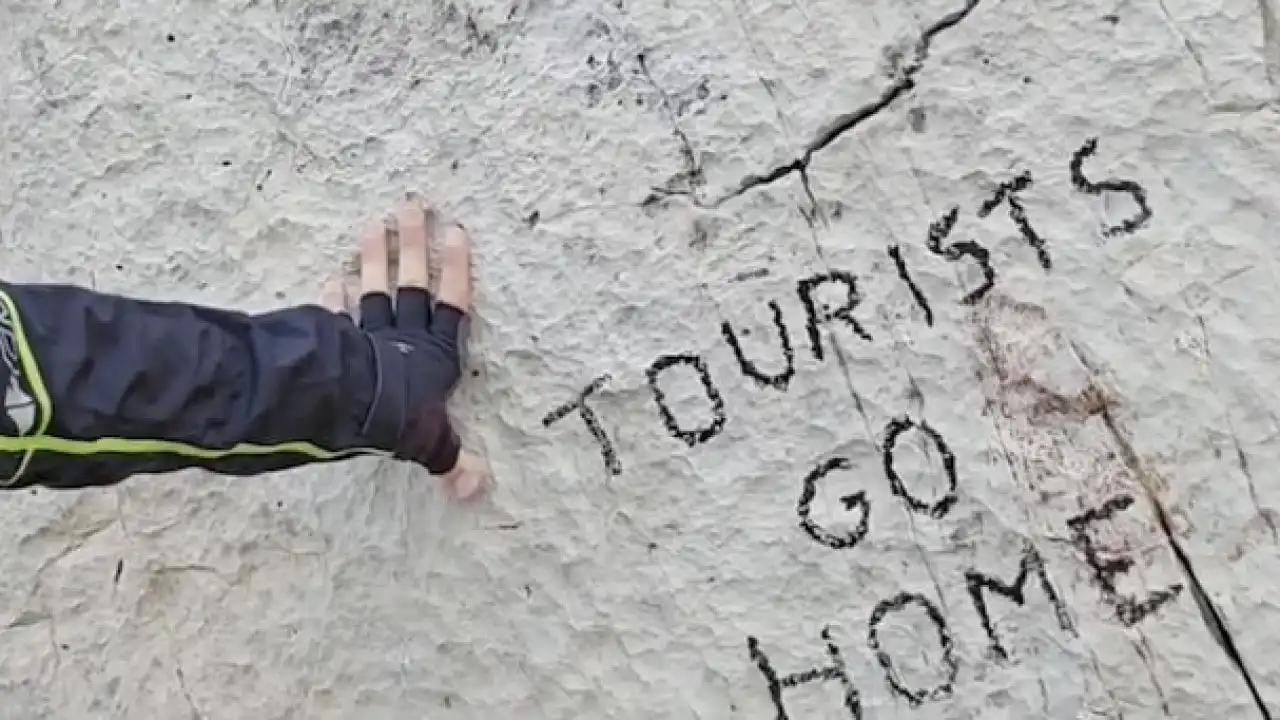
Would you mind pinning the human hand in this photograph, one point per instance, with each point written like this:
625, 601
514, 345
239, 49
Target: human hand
423, 333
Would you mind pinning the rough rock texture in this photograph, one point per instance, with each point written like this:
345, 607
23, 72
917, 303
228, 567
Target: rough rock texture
637, 173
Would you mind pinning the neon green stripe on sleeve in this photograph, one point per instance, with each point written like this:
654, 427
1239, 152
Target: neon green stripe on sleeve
41, 441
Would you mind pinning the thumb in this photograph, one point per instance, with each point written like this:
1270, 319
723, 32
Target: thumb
468, 478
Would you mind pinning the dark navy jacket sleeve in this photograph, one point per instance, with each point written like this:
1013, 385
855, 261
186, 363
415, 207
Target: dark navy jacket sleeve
100, 387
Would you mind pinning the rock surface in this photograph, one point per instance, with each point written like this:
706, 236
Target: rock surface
964, 498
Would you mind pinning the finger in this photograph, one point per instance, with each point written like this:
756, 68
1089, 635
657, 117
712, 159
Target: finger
455, 288
415, 243
466, 486
455, 268
468, 480
413, 299
375, 298
333, 297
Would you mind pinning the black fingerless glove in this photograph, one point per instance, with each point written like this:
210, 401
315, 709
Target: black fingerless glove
100, 387
418, 360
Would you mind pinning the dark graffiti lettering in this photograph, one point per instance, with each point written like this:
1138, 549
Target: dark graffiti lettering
938, 243
939, 230
838, 309
607, 451
1008, 193
1031, 563
914, 696
895, 252
836, 670
697, 435
777, 381
854, 500
1132, 188
1129, 610
895, 429
806, 288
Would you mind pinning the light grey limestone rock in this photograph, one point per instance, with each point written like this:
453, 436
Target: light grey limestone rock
636, 175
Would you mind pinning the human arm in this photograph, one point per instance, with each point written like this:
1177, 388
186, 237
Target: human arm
119, 386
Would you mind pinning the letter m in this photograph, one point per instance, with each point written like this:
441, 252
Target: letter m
1031, 564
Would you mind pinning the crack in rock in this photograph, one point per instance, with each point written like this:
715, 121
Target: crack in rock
1270, 44
1009, 365
692, 175
1186, 43
839, 125
1212, 619
186, 694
